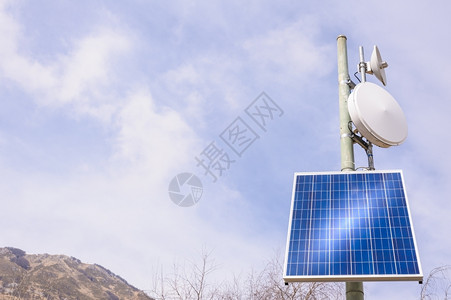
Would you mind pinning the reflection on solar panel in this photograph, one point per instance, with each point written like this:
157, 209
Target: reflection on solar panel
352, 226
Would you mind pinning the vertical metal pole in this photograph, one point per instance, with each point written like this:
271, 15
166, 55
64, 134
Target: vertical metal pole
369, 153
346, 142
354, 290
362, 65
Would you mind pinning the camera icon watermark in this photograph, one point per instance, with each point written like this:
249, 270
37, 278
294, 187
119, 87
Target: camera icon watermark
185, 189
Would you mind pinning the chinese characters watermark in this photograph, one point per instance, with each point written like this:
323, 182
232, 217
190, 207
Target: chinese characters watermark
263, 110
239, 136
186, 189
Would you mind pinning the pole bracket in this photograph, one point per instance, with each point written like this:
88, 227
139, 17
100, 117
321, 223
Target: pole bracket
366, 145
348, 82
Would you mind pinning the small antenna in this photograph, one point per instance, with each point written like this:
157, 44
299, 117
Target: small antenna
376, 66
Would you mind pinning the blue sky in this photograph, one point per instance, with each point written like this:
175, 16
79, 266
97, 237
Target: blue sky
104, 102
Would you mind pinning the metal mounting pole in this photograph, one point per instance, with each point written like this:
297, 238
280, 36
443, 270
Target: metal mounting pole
346, 142
362, 65
369, 153
354, 290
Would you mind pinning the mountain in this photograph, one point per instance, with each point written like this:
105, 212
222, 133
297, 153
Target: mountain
44, 276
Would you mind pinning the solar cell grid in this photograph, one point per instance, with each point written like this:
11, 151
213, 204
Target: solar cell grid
350, 226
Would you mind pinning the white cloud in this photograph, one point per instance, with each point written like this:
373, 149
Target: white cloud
205, 84
290, 52
157, 138
15, 66
84, 77
89, 68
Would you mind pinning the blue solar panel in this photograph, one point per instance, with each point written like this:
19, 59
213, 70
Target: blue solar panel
352, 226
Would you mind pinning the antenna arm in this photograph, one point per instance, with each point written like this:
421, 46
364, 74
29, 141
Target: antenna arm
359, 140
367, 146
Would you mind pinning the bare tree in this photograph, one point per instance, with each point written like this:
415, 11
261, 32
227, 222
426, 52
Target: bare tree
197, 278
194, 283
268, 284
158, 288
187, 282
231, 290
438, 284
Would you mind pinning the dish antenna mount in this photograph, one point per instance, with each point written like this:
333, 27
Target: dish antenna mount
374, 67
376, 115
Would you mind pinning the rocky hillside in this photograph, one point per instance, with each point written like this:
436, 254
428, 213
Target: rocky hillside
43, 276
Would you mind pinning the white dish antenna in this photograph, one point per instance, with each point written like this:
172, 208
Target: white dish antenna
377, 115
376, 66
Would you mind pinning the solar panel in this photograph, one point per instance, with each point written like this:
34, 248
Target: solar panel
350, 226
